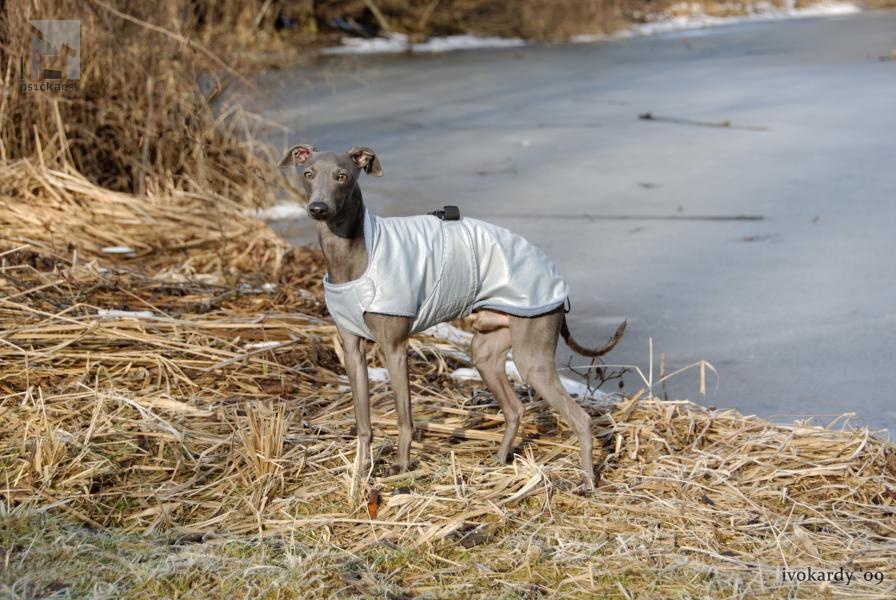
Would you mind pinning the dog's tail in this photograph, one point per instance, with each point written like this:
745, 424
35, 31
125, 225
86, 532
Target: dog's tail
589, 352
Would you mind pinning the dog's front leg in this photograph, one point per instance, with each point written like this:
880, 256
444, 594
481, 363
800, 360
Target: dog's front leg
392, 335
356, 368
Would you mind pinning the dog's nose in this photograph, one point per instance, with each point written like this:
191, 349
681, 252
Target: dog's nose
318, 210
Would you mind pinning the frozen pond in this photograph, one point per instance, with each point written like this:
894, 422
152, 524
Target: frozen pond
795, 308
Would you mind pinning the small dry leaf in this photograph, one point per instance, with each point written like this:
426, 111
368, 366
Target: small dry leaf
373, 502
805, 540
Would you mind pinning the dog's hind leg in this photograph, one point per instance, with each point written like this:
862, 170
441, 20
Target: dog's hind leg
534, 345
489, 355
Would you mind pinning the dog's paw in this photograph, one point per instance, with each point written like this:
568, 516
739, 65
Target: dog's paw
500, 461
585, 487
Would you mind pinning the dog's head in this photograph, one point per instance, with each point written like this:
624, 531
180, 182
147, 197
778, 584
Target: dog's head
329, 179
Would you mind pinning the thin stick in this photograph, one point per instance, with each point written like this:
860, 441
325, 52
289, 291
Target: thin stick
147, 137
378, 15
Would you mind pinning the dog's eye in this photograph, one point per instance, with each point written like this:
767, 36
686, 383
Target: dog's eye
308, 175
341, 177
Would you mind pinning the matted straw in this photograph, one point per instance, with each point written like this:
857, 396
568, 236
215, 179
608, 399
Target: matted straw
193, 390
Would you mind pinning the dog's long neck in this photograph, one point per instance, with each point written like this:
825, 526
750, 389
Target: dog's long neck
342, 241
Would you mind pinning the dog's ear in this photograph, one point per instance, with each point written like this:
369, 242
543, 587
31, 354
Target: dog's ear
366, 159
297, 155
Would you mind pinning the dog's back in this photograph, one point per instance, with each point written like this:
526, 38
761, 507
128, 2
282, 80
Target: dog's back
515, 276
434, 271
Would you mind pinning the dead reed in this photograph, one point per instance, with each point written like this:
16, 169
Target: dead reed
148, 116
174, 418
194, 390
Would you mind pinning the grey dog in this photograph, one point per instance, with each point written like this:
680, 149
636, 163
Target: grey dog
330, 183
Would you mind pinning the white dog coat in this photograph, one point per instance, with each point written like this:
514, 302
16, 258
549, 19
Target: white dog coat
434, 271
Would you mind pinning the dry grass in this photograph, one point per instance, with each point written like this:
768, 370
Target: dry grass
879, 4
208, 446
557, 20
142, 121
529, 19
175, 422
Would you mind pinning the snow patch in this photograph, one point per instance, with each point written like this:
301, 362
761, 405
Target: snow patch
690, 15
512, 372
377, 374
398, 42
465, 374
449, 333
118, 250
279, 212
265, 288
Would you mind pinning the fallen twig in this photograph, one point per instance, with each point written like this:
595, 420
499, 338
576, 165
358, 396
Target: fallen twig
722, 124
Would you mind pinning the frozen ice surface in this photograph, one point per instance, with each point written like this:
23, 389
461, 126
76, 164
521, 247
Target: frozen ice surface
795, 309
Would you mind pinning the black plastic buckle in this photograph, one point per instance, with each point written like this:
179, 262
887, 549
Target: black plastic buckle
449, 213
